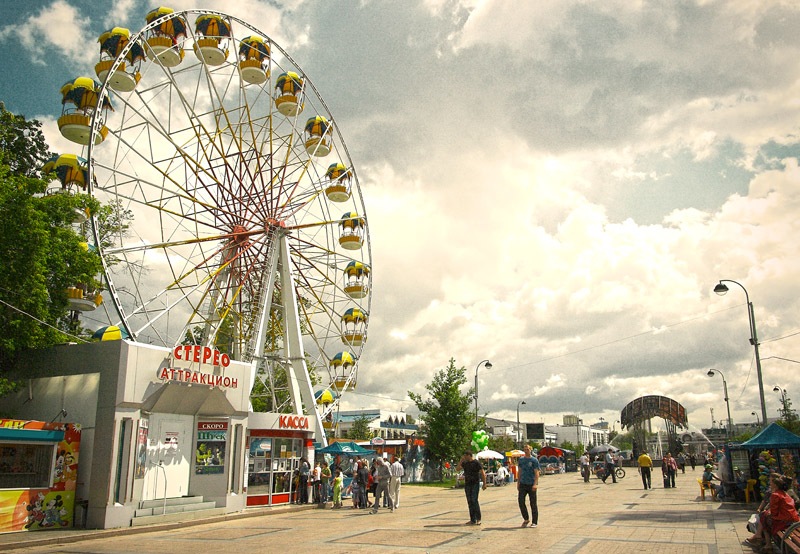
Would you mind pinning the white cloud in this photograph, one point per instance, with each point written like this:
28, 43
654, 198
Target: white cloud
43, 33
557, 186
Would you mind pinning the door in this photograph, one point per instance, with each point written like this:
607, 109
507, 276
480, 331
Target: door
169, 456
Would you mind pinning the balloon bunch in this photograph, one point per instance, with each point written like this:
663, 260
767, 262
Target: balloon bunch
480, 440
766, 465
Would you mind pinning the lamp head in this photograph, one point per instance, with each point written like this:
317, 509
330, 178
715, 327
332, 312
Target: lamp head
776, 388
721, 288
488, 365
711, 373
753, 413
523, 403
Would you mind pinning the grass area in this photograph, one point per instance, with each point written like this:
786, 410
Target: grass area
446, 484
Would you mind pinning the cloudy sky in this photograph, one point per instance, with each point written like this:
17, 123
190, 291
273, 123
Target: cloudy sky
554, 186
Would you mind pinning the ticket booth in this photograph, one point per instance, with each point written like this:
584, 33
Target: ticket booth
38, 474
276, 443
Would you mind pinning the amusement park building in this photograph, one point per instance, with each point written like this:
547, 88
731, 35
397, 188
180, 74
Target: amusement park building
158, 424
382, 423
579, 434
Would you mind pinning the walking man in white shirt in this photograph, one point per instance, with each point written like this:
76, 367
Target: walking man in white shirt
397, 470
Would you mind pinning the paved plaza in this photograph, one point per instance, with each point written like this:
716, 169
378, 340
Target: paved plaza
575, 517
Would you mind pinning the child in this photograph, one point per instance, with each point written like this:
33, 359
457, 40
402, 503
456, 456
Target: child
337, 489
355, 492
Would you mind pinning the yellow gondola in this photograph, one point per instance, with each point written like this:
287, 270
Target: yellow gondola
339, 182
112, 43
318, 139
354, 327
162, 39
83, 94
351, 231
289, 93
340, 366
70, 169
210, 45
356, 280
254, 59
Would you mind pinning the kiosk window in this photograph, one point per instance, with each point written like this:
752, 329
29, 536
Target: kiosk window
25, 465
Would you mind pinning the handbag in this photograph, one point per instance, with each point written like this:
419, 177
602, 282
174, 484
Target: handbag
752, 523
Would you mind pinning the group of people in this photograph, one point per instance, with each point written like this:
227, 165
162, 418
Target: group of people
609, 465
528, 471
669, 469
777, 511
382, 479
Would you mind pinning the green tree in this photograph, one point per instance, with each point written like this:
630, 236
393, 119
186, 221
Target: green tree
502, 444
360, 429
22, 145
43, 254
447, 416
789, 419
569, 445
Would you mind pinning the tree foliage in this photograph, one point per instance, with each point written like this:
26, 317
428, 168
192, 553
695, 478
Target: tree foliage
447, 416
789, 419
42, 251
360, 429
502, 443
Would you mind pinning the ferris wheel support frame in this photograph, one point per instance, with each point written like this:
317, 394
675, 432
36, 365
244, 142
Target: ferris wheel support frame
293, 356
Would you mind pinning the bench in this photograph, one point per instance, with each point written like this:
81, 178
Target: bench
703, 489
790, 538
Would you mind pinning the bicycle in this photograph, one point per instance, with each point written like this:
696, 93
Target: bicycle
599, 470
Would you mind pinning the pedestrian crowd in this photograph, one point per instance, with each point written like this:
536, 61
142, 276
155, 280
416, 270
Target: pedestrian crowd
372, 485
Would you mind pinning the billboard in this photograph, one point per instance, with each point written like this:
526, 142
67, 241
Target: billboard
534, 431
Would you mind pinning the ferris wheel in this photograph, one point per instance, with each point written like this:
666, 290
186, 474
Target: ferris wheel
247, 229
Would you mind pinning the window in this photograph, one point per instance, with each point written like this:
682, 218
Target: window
25, 465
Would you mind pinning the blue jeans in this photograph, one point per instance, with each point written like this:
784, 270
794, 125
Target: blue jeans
471, 491
523, 491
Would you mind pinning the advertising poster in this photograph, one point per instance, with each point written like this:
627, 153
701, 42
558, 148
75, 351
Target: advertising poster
211, 442
141, 450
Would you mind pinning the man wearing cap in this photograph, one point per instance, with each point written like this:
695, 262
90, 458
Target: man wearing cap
645, 468
708, 476
474, 475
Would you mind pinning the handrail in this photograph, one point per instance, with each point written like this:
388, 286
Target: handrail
161, 465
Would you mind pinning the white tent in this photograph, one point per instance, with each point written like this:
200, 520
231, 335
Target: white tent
488, 455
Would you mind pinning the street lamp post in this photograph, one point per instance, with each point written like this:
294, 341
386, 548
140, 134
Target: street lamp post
522, 402
784, 411
727, 402
758, 423
488, 365
721, 289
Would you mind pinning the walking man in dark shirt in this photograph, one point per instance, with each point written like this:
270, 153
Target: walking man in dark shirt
362, 476
474, 475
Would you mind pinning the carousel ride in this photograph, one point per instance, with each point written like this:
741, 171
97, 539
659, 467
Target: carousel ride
245, 224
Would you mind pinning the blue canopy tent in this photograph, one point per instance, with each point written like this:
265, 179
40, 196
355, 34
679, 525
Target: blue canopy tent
349, 450
773, 436
783, 445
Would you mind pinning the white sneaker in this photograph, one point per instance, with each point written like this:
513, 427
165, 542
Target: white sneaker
534, 525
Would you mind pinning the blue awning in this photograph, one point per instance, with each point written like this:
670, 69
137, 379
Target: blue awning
38, 435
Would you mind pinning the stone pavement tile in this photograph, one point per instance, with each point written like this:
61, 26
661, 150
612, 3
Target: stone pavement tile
662, 521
